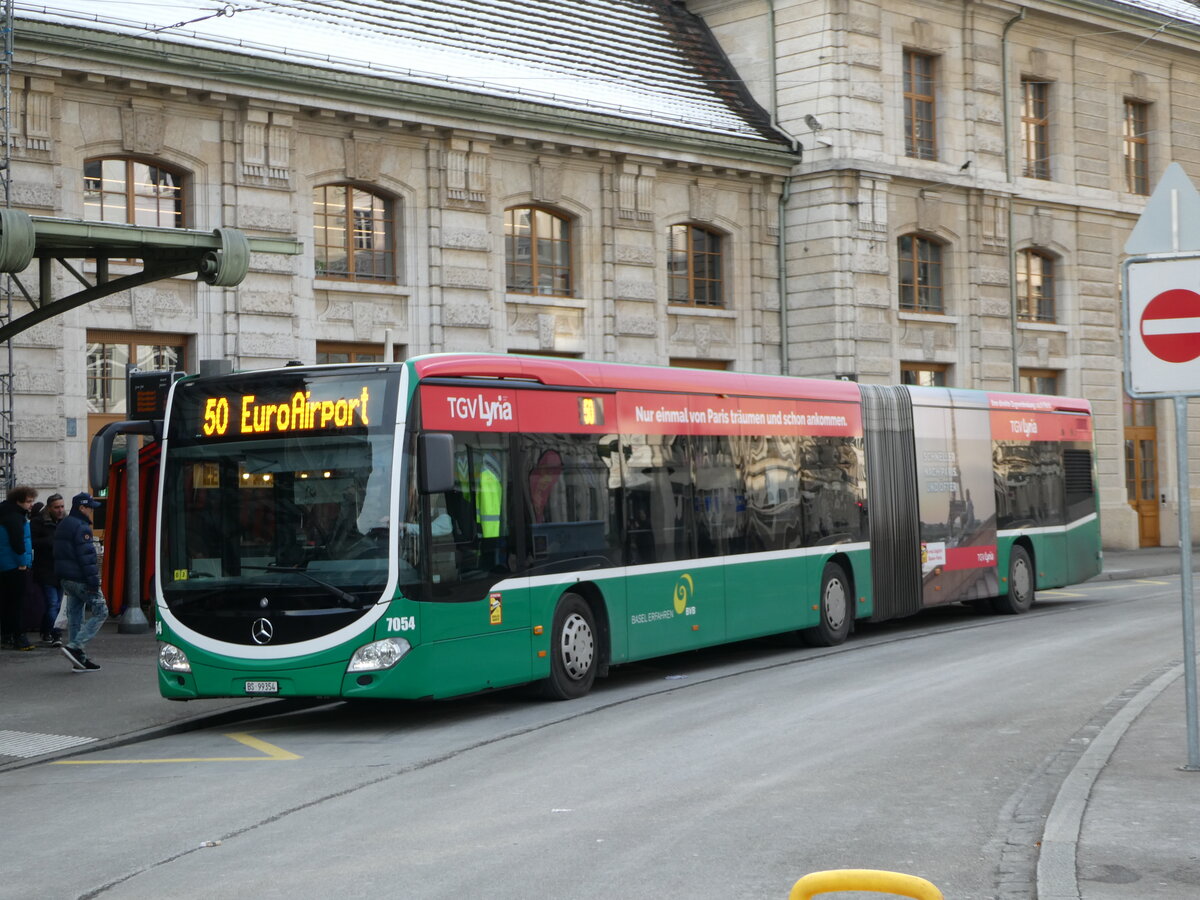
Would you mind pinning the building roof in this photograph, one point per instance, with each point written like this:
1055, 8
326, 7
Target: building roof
644, 60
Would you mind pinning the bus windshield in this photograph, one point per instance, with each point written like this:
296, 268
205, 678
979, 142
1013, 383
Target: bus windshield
306, 509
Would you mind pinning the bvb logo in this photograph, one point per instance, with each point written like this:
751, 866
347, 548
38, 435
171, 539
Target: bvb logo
684, 588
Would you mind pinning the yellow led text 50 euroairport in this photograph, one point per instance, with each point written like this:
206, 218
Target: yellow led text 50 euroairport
299, 413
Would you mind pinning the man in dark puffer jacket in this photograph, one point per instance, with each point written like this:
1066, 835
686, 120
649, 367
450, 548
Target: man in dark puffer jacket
77, 564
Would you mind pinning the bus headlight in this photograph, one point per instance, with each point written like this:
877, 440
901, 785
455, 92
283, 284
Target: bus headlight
172, 659
378, 655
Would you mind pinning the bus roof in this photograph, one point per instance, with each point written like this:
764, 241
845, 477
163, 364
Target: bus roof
560, 371
619, 376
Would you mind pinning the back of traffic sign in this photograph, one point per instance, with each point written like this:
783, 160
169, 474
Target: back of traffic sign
1170, 223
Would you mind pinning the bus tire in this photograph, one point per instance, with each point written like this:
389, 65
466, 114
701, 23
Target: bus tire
1021, 584
573, 650
836, 609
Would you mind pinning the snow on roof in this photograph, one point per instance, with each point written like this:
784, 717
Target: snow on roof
1185, 10
646, 60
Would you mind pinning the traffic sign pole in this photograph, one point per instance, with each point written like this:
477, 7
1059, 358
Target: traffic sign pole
1185, 574
1161, 317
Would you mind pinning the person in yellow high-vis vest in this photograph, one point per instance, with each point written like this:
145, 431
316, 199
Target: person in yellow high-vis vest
483, 489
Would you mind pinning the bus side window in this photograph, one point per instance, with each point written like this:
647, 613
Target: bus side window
473, 544
659, 498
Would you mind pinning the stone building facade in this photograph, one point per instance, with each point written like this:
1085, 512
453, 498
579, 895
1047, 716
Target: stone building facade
1015, 142
441, 171
966, 176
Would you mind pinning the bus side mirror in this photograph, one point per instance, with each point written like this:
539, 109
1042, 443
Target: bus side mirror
436, 463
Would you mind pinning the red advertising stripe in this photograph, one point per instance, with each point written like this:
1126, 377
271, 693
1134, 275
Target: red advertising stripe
486, 409
1040, 426
468, 409
980, 557
678, 414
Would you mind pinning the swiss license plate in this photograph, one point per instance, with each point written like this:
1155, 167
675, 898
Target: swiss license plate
262, 687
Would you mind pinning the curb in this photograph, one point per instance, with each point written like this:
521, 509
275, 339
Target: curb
1057, 863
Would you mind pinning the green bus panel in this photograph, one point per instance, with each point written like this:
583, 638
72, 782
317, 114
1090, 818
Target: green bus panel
1049, 559
479, 663
1083, 551
860, 571
771, 595
675, 610
490, 635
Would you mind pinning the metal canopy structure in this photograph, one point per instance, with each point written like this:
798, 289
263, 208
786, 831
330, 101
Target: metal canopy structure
220, 258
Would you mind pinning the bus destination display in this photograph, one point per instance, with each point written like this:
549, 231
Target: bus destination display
314, 406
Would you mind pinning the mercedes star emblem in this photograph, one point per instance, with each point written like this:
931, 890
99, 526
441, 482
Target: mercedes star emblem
262, 631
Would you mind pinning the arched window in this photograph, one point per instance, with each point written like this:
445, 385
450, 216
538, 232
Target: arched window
353, 234
920, 274
132, 192
537, 252
695, 269
1035, 287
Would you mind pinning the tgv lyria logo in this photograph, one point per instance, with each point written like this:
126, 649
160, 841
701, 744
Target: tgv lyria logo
685, 588
479, 407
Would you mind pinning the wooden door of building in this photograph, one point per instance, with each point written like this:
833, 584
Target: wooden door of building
1141, 468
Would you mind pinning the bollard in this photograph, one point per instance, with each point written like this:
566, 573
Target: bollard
864, 880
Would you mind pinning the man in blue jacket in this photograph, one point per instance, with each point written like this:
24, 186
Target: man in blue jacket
78, 566
16, 556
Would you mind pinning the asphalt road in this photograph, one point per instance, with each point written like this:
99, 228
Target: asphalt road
932, 746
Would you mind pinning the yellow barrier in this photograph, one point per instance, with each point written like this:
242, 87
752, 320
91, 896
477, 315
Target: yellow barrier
863, 880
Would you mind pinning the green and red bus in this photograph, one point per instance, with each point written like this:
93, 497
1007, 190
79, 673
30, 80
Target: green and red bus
458, 523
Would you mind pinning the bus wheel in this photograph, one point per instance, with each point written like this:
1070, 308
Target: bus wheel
837, 610
573, 659
1020, 584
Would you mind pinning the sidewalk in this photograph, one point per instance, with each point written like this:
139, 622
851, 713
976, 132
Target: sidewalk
1124, 823
51, 711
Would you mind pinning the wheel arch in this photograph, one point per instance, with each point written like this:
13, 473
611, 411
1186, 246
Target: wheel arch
843, 561
1025, 543
594, 598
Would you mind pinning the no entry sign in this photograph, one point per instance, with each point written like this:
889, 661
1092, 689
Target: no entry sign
1162, 307
1171, 325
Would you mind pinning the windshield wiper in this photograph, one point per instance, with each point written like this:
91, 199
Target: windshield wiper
347, 599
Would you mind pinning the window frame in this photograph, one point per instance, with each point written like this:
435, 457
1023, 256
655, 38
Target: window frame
911, 372
1030, 377
1135, 143
1040, 307
383, 223
691, 278
1035, 128
177, 216
565, 226
356, 352
921, 289
920, 107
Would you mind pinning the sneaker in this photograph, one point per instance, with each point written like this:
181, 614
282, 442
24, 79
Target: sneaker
88, 666
20, 642
49, 640
76, 657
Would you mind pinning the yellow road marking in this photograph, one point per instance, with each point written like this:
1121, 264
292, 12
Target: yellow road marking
1059, 594
1148, 581
270, 751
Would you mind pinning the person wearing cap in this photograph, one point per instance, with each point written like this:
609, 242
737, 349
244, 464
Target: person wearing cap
16, 556
77, 565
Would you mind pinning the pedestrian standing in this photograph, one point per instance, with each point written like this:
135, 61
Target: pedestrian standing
41, 529
78, 567
16, 556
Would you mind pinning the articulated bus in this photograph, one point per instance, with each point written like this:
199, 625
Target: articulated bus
459, 523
